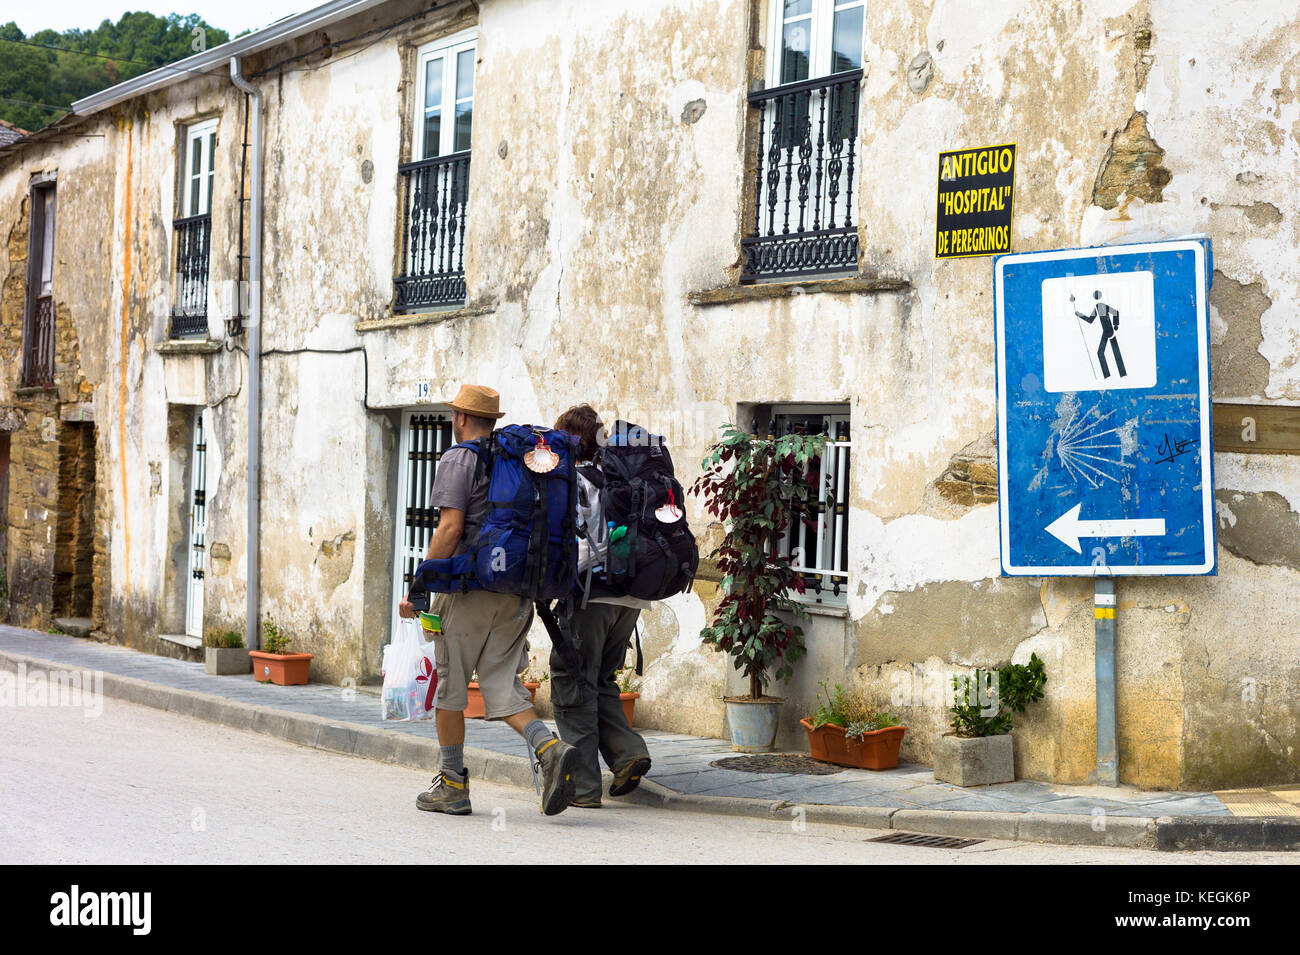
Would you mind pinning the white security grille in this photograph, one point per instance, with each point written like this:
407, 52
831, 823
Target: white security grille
426, 436
819, 537
198, 525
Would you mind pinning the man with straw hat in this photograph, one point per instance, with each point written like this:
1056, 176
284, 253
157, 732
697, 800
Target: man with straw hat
482, 632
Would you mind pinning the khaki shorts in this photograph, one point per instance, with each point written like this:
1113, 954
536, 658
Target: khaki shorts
483, 633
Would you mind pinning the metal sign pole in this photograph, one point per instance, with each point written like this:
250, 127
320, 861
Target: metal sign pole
1104, 618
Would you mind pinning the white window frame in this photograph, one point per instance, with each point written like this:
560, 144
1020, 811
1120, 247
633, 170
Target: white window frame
449, 49
831, 541
202, 135
821, 19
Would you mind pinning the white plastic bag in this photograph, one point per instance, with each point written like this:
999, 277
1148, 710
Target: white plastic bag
410, 675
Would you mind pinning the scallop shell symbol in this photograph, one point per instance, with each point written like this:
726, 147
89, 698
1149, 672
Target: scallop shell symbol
669, 513
541, 459
1089, 447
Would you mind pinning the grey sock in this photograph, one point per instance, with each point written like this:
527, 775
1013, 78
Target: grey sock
453, 759
537, 734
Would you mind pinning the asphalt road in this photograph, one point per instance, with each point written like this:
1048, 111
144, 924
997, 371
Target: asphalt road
139, 785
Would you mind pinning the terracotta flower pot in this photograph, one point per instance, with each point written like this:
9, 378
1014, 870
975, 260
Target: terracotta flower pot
282, 669
476, 710
876, 750
629, 705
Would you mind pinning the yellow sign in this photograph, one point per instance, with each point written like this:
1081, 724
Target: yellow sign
974, 205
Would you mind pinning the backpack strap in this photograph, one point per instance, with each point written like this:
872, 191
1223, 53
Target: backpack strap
559, 629
486, 449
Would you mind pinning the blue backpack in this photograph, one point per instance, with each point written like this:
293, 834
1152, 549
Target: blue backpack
526, 544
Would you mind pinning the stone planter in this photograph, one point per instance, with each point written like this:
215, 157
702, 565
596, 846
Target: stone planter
753, 722
227, 661
978, 761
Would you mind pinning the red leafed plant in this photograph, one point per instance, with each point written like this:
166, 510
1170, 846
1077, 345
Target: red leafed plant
756, 486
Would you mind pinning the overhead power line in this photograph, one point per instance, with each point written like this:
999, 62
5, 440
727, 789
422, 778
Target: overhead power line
61, 49
118, 59
23, 102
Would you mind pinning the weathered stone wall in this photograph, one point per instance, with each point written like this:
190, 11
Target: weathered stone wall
611, 181
52, 473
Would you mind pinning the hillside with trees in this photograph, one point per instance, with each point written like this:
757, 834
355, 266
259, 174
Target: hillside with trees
42, 74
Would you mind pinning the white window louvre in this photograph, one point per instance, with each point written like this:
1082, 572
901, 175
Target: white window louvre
821, 550
198, 525
425, 437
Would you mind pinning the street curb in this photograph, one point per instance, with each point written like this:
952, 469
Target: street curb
1267, 833
1183, 833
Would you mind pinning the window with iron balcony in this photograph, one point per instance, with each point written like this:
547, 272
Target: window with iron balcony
192, 232
805, 214
434, 185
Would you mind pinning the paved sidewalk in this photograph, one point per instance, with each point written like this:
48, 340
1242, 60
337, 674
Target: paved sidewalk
682, 776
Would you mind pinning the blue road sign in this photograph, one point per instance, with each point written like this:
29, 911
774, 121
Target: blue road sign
1104, 448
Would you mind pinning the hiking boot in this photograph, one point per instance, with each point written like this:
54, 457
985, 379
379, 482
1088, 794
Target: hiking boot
557, 762
628, 776
449, 794
592, 802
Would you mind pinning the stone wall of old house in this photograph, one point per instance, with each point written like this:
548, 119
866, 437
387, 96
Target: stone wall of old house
611, 180
54, 455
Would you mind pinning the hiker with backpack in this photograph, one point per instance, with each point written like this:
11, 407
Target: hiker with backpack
490, 486
633, 547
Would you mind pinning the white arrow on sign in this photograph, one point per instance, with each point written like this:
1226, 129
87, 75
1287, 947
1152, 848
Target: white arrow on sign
1068, 528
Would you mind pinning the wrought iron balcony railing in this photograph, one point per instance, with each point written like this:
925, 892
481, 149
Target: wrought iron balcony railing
805, 218
434, 193
193, 253
38, 344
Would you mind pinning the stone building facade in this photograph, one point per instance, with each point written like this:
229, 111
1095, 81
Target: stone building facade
54, 561
584, 202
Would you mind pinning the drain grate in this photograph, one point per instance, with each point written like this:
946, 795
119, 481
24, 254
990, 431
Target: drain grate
930, 842
802, 765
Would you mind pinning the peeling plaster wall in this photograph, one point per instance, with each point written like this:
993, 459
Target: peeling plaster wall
608, 182
1132, 121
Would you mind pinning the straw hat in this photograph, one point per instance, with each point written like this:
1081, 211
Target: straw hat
478, 401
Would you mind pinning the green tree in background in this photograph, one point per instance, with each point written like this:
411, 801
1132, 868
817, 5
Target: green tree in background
89, 60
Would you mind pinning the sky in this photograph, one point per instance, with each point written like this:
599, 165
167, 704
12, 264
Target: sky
230, 15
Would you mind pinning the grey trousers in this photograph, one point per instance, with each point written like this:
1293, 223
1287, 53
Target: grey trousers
588, 712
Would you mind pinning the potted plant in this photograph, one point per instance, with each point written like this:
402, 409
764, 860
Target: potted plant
849, 730
533, 681
629, 690
224, 653
756, 485
275, 662
979, 749
475, 709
